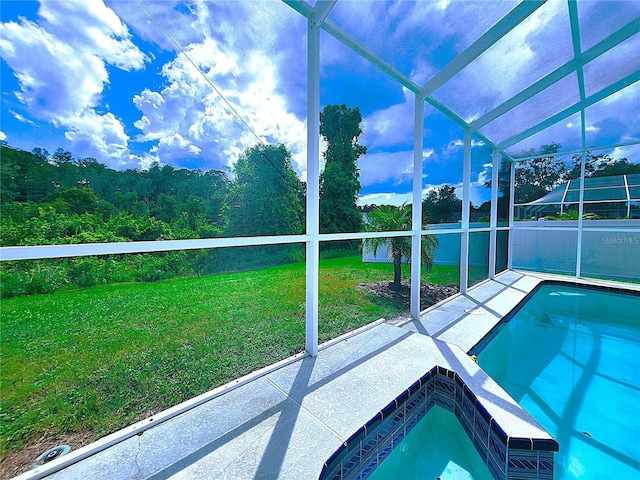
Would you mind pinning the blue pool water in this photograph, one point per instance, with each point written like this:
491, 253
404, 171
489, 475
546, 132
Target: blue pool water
571, 357
437, 447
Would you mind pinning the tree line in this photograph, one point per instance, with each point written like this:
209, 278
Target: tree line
533, 179
50, 199
58, 199
539, 176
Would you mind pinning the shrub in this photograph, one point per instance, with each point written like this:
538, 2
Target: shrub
12, 283
46, 277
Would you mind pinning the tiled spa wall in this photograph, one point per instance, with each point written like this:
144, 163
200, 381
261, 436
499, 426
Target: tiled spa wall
508, 458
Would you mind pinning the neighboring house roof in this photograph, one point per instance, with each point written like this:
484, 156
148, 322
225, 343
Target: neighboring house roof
616, 188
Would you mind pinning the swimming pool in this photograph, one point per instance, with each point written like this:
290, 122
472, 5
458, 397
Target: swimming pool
570, 356
438, 447
507, 440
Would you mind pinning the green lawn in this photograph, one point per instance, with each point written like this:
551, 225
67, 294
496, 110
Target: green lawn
97, 359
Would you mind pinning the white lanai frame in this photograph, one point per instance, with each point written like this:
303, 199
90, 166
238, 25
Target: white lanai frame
317, 17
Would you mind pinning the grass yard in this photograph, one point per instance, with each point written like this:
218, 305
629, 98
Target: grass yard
96, 360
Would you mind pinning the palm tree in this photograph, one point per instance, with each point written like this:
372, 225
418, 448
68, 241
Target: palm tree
386, 218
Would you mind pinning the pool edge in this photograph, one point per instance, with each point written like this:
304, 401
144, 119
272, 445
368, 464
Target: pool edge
372, 443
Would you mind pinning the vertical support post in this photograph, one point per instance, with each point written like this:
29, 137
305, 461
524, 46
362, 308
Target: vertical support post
628, 193
416, 220
512, 194
583, 166
313, 186
493, 235
464, 238
564, 197
577, 53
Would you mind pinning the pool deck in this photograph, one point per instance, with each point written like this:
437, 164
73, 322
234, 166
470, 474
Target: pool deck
284, 422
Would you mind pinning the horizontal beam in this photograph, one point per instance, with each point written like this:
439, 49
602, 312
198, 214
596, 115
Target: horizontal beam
575, 151
38, 252
547, 227
567, 112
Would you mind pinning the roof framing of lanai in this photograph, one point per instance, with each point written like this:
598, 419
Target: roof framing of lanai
532, 95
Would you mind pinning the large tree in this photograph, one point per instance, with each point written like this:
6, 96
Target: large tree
441, 205
533, 178
264, 197
537, 177
339, 182
601, 165
386, 218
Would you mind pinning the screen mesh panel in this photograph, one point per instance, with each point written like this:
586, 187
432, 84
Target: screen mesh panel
566, 132
600, 194
633, 179
634, 193
600, 19
608, 68
537, 46
548, 102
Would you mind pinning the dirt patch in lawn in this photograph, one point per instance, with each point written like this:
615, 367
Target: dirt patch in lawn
429, 294
15, 463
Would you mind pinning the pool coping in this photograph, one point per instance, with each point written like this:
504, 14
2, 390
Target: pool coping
286, 420
464, 319
485, 340
503, 454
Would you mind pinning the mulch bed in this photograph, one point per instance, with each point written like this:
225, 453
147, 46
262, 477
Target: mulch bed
429, 294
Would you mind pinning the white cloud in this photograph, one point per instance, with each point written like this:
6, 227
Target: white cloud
391, 126
385, 199
630, 152
458, 143
104, 133
21, 118
189, 108
422, 71
61, 67
513, 63
253, 67
385, 167
3, 136
173, 148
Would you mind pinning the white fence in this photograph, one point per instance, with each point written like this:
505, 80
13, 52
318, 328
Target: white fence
610, 248
448, 252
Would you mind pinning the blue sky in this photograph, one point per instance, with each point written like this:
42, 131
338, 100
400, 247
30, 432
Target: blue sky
103, 80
